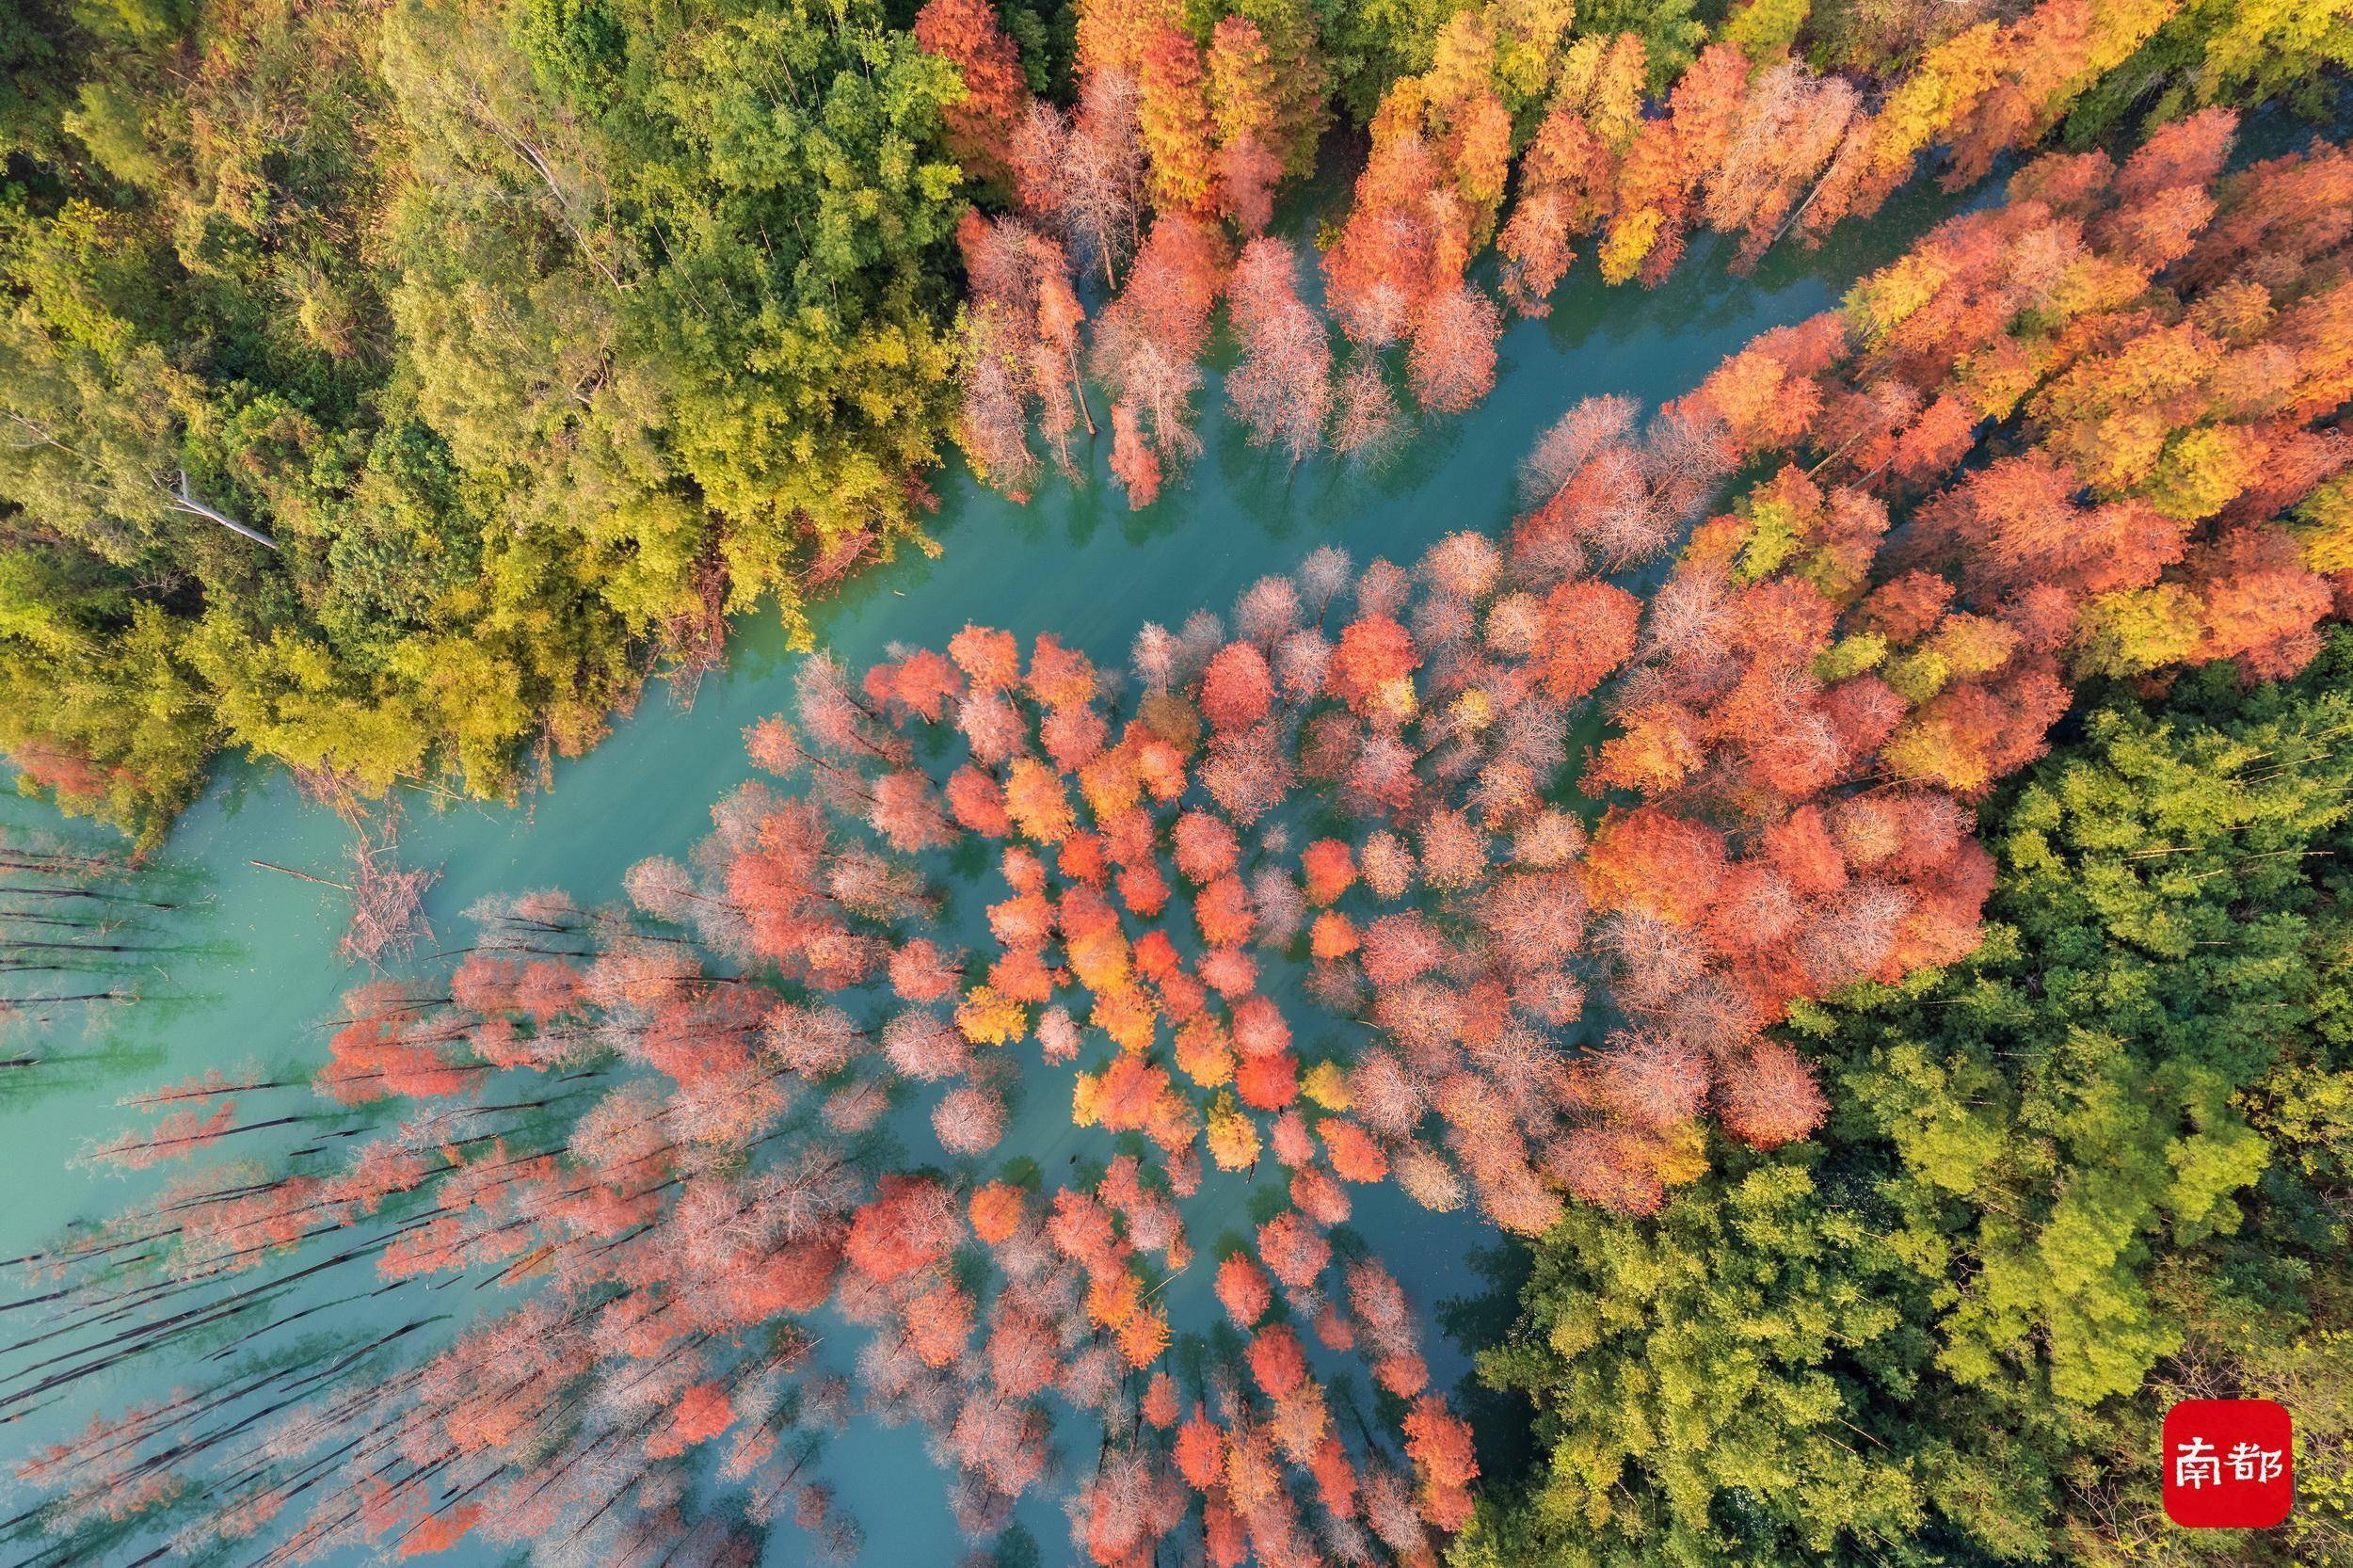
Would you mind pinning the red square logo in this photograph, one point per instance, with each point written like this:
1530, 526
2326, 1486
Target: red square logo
2228, 1464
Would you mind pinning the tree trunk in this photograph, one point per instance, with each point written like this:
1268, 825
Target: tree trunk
183, 501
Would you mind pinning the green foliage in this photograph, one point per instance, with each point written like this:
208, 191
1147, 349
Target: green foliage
2134, 630
2081, 1172
1671, 35
1047, 33
1702, 1349
1370, 43
1766, 30
529, 332
1851, 655
2225, 52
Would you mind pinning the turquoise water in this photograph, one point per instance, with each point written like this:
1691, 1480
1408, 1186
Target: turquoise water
256, 966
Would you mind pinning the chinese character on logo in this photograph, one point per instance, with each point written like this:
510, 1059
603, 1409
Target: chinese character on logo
2195, 1465
2228, 1463
2250, 1462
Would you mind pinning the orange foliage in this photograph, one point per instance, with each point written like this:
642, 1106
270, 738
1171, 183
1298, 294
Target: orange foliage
701, 1413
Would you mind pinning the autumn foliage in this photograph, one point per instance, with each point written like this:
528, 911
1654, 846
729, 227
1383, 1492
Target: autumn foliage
1790, 730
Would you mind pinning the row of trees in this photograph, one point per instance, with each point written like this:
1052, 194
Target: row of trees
1518, 100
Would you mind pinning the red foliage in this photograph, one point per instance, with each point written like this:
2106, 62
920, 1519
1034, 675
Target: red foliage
921, 972
978, 802
1333, 935
1024, 1352
1652, 861
906, 813
1374, 652
1452, 359
1229, 971
1405, 239
1293, 1249
1205, 847
701, 1413
1201, 1451
1037, 803
1276, 1360
1440, 1444
1267, 1083
1146, 349
996, 1210
1158, 1405
990, 659
1224, 913
1335, 1478
1329, 869
1401, 948
1134, 463
938, 1322
1143, 890
439, 1530
1243, 1289
1259, 1029
980, 126
1355, 1156
178, 1134
1653, 1079
910, 1223
1081, 859
1126, 1093
2263, 606
1282, 388
1236, 689
1173, 110
1589, 631
1061, 677
1771, 1099
386, 1048
1402, 1374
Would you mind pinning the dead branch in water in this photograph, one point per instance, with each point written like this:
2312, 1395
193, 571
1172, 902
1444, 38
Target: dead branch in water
386, 899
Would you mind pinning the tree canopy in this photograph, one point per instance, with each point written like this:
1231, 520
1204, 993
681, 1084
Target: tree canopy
387, 387
384, 383
2087, 1171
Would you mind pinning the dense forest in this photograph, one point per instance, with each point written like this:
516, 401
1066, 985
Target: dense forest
1846, 881
387, 384
2127, 1111
390, 387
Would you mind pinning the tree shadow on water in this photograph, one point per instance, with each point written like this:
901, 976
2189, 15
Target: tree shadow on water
1502, 1425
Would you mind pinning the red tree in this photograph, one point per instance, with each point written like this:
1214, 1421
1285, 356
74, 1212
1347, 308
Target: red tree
982, 126
1236, 689
1282, 388
1452, 359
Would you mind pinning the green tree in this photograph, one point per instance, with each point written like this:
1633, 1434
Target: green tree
392, 382
1766, 30
1671, 35
2226, 52
2079, 1175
